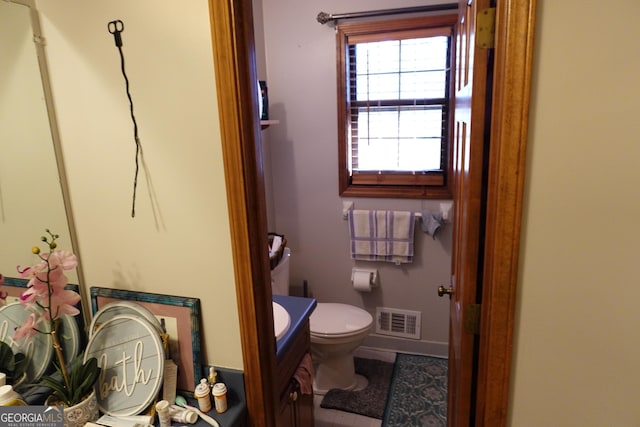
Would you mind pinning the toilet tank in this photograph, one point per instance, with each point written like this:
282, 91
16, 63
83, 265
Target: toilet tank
280, 275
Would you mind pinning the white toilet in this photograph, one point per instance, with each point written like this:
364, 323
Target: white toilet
336, 331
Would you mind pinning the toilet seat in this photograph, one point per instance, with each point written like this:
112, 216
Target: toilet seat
338, 320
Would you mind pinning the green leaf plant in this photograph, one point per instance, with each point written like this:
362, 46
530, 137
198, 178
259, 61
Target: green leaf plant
82, 377
13, 365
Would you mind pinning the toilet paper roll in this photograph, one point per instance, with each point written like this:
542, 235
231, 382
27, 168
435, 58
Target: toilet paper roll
361, 281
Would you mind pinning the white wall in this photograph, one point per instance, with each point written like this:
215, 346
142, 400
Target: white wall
302, 183
577, 347
179, 242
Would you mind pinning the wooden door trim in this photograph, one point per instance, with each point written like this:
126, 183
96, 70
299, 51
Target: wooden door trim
515, 21
236, 84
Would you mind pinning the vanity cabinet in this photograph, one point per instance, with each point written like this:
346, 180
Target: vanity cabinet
295, 409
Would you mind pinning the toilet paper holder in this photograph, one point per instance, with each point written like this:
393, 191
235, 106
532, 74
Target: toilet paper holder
373, 275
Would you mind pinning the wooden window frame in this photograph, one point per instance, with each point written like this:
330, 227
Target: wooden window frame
427, 185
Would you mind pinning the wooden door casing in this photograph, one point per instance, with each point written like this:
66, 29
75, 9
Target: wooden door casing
513, 58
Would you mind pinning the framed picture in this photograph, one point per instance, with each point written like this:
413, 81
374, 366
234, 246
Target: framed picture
180, 317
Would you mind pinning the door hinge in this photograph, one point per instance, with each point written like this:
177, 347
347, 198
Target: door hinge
472, 319
486, 28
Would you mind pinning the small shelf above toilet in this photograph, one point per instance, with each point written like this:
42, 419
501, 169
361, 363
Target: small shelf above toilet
266, 123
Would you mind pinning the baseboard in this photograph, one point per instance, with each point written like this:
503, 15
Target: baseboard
402, 345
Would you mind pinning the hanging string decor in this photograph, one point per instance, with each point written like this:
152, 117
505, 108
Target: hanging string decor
116, 27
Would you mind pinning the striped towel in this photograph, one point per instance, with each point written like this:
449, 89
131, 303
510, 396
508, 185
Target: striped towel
381, 235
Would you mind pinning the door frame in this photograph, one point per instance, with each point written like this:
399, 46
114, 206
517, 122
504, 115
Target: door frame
236, 82
515, 23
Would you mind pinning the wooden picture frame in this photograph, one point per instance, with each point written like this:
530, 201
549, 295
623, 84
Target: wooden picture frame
181, 316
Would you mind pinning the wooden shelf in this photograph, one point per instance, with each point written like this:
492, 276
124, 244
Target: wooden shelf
266, 123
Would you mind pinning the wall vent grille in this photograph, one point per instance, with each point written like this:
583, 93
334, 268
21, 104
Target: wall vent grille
398, 323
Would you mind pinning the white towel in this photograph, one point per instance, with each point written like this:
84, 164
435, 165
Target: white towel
381, 235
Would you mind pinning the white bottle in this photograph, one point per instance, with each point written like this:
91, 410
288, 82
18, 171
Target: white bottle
164, 415
201, 393
220, 397
183, 415
9, 397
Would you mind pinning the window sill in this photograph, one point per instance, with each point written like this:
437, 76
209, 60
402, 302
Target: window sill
396, 192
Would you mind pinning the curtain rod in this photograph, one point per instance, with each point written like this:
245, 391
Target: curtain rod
324, 17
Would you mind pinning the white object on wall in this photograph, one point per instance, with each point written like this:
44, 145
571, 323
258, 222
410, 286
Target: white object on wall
445, 211
363, 280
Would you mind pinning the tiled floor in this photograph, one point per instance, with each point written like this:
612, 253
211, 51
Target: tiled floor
332, 418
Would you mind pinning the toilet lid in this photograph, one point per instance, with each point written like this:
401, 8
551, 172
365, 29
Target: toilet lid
338, 319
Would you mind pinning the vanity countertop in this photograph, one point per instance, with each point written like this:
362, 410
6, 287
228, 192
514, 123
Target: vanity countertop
299, 310
235, 415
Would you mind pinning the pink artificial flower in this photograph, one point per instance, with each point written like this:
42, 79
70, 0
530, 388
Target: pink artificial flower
34, 293
47, 283
46, 290
27, 329
55, 278
64, 259
57, 262
62, 302
30, 272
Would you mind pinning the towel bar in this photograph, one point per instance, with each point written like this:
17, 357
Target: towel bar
445, 208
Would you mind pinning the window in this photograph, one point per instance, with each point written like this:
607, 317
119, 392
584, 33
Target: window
394, 97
